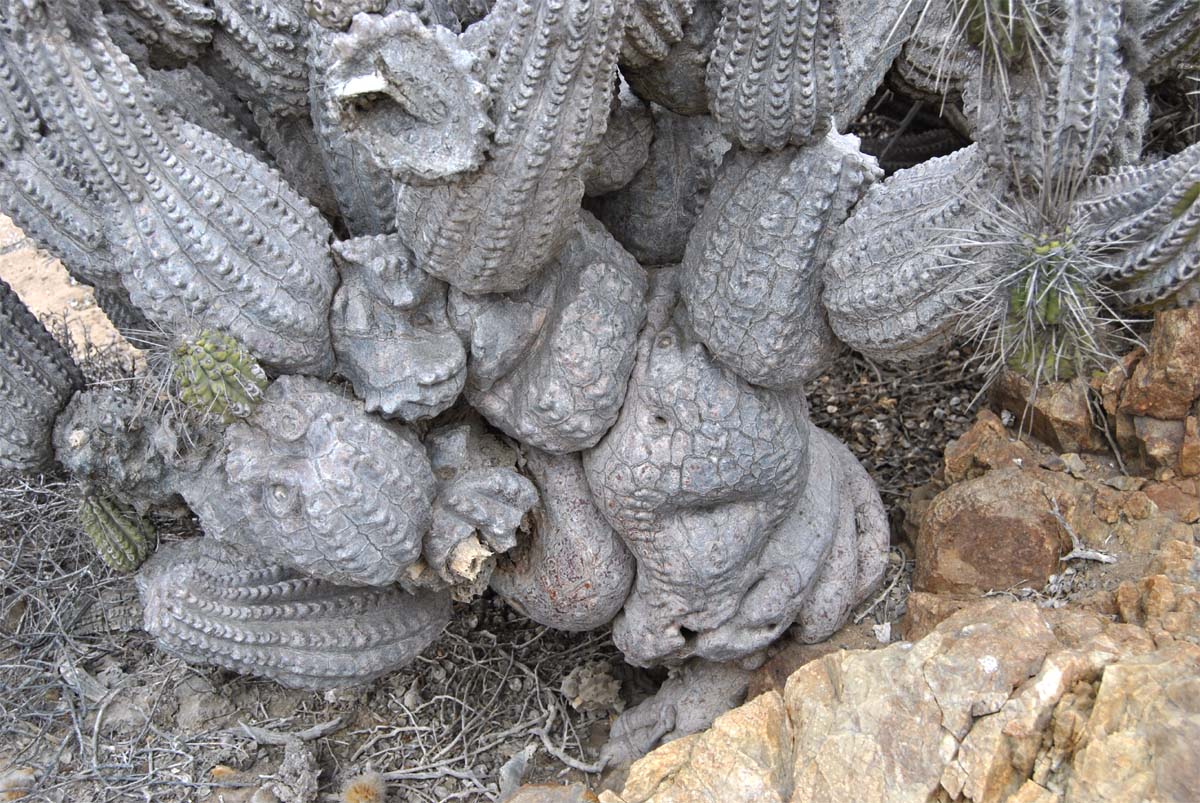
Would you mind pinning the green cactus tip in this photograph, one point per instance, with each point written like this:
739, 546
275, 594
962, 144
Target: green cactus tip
122, 537
216, 376
1056, 321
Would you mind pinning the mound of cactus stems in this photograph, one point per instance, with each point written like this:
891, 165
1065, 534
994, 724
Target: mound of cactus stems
525, 296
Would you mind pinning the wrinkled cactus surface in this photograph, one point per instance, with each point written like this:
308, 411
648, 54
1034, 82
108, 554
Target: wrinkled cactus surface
524, 295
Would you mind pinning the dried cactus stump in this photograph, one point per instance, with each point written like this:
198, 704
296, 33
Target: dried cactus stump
211, 605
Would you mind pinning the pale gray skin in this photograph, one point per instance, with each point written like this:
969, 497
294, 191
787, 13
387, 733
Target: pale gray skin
37, 378
315, 483
751, 276
1061, 115
390, 331
549, 364
481, 503
780, 72
108, 439
201, 233
936, 60
625, 147
653, 215
651, 28
899, 276
212, 605
197, 97
570, 571
731, 502
265, 45
173, 31
688, 701
494, 229
1167, 29
1146, 229
677, 81
405, 93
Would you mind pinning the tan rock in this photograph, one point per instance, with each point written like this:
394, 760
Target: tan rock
857, 737
926, 611
1159, 442
995, 532
745, 757
1057, 413
1173, 502
548, 793
1109, 385
1167, 382
1189, 450
1141, 739
1002, 701
985, 446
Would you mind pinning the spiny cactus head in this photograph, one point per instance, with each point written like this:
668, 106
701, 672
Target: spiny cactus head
122, 538
215, 376
1056, 324
1002, 29
365, 788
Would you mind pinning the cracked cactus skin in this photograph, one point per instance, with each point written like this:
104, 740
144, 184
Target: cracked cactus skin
653, 215
571, 571
730, 501
264, 43
551, 81
677, 81
558, 385
215, 606
108, 442
313, 482
408, 94
37, 379
216, 376
259, 268
1149, 222
391, 332
751, 276
653, 26
624, 148
172, 30
900, 266
122, 538
781, 72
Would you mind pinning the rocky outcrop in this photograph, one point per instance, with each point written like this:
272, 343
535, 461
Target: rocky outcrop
1152, 398
1001, 701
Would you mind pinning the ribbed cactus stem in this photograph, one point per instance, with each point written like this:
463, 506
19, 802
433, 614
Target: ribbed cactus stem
123, 539
216, 376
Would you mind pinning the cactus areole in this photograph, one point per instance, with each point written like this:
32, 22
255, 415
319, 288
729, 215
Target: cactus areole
526, 297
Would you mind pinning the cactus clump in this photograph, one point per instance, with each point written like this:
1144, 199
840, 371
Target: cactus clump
217, 377
123, 539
